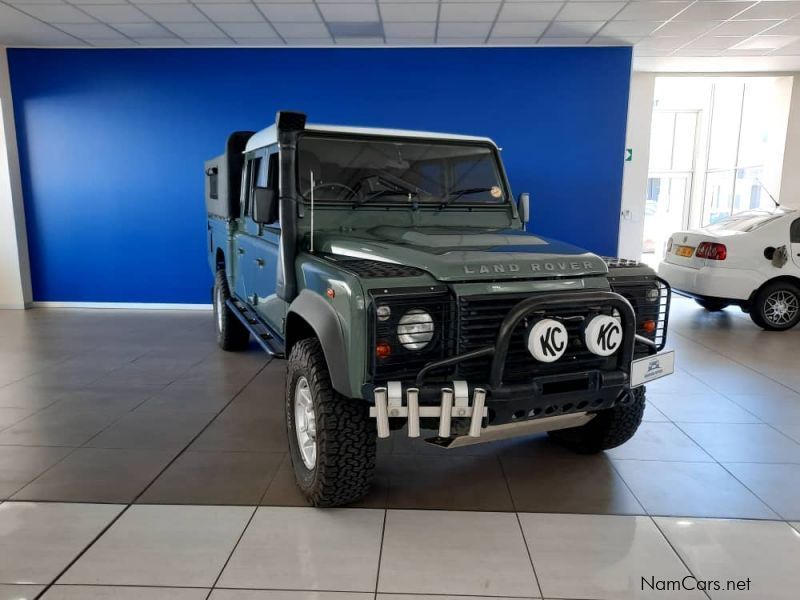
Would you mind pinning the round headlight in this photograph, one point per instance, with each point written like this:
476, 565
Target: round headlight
415, 329
653, 294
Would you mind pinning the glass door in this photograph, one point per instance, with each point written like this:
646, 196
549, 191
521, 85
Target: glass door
669, 183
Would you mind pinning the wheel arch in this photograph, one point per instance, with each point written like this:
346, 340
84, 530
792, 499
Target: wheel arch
219, 260
309, 315
780, 279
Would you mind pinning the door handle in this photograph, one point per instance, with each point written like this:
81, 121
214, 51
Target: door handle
260, 262
240, 250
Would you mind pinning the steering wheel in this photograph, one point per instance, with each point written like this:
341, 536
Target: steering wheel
350, 191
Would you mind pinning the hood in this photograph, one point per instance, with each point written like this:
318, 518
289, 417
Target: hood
465, 254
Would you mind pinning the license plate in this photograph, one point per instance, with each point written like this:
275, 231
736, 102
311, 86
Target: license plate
685, 251
650, 368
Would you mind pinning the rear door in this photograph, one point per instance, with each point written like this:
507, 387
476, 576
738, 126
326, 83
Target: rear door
795, 241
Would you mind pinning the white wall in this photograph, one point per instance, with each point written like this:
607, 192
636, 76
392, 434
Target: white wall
15, 285
634, 176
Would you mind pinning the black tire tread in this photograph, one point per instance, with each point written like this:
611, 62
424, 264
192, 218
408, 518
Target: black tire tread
609, 429
234, 336
346, 435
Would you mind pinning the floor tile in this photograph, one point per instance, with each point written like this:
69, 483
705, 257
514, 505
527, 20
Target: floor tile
776, 484
237, 431
690, 489
98, 475
26, 394
202, 398
40, 539
102, 592
447, 483
782, 408
220, 594
283, 490
651, 413
600, 556
728, 442
434, 552
660, 441
181, 546
57, 425
10, 416
437, 597
162, 430
680, 381
765, 552
214, 478
20, 592
19, 465
576, 484
702, 408
791, 430
307, 548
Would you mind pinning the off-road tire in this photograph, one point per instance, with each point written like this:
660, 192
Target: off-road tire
759, 306
345, 433
713, 305
232, 335
609, 429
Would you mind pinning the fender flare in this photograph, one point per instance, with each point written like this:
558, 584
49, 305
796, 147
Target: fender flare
323, 319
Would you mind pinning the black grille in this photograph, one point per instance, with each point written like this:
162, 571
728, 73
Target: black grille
650, 300
479, 322
370, 269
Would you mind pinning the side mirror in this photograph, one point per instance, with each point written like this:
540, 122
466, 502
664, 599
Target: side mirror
264, 206
524, 207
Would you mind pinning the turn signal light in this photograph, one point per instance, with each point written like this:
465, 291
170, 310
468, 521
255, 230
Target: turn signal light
649, 326
383, 350
712, 251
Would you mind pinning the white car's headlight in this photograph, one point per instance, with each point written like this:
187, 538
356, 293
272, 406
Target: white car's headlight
415, 329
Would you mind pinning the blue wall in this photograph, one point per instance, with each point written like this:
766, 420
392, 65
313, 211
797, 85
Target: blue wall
112, 143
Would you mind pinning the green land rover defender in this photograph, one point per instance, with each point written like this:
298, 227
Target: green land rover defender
393, 271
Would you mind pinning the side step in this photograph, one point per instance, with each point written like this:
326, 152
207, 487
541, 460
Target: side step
268, 339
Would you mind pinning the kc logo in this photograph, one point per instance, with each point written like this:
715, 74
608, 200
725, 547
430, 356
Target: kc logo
603, 335
547, 340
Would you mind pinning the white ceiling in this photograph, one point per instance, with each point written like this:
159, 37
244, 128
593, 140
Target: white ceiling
658, 30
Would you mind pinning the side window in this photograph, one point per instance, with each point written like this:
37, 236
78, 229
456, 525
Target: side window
795, 232
256, 177
272, 175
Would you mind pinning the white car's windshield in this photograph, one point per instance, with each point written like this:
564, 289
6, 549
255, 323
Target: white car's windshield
746, 221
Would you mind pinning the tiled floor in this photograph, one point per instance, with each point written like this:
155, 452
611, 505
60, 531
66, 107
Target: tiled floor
139, 461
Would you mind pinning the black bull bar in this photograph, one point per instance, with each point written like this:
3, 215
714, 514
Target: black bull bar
535, 304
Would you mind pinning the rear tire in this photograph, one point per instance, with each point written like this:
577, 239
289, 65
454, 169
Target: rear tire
332, 439
232, 335
713, 305
776, 306
609, 429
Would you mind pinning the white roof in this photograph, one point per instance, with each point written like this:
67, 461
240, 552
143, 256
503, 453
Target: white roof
269, 136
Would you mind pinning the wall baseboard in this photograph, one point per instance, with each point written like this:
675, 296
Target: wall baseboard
14, 306
122, 305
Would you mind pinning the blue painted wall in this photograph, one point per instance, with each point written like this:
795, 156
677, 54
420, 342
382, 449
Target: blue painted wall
112, 143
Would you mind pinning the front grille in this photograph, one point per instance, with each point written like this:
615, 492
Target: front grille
480, 318
635, 291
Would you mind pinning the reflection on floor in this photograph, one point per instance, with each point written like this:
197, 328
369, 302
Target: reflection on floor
136, 419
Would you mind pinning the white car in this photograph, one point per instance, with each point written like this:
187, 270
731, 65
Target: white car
750, 259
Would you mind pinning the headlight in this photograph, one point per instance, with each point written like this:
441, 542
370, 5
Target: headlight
415, 329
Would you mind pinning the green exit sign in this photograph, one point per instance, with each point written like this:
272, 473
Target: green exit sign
628, 154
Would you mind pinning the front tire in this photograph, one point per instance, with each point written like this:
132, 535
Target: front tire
609, 429
776, 306
713, 305
232, 335
331, 438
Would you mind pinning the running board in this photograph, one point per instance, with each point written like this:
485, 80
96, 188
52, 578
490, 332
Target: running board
263, 334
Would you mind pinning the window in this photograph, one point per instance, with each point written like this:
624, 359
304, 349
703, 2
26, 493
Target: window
213, 183
257, 174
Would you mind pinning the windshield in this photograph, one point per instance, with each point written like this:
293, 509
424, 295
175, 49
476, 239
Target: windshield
360, 171
746, 221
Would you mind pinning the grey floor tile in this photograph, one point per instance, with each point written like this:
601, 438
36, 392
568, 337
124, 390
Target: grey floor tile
104, 592
19, 465
57, 425
574, 484
729, 442
661, 441
153, 430
98, 475
26, 394
307, 548
434, 552
776, 484
600, 556
20, 592
691, 489
702, 408
771, 408
239, 431
10, 416
177, 546
651, 413
202, 398
223, 594
767, 553
791, 430
215, 478
39, 540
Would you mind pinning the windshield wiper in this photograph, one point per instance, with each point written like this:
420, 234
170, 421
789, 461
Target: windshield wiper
380, 193
456, 194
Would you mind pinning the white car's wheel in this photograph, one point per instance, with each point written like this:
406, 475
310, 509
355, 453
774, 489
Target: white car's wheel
776, 306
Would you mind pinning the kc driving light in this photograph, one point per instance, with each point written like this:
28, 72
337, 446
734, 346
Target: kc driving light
415, 329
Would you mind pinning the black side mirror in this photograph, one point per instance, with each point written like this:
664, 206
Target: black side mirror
524, 207
264, 206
